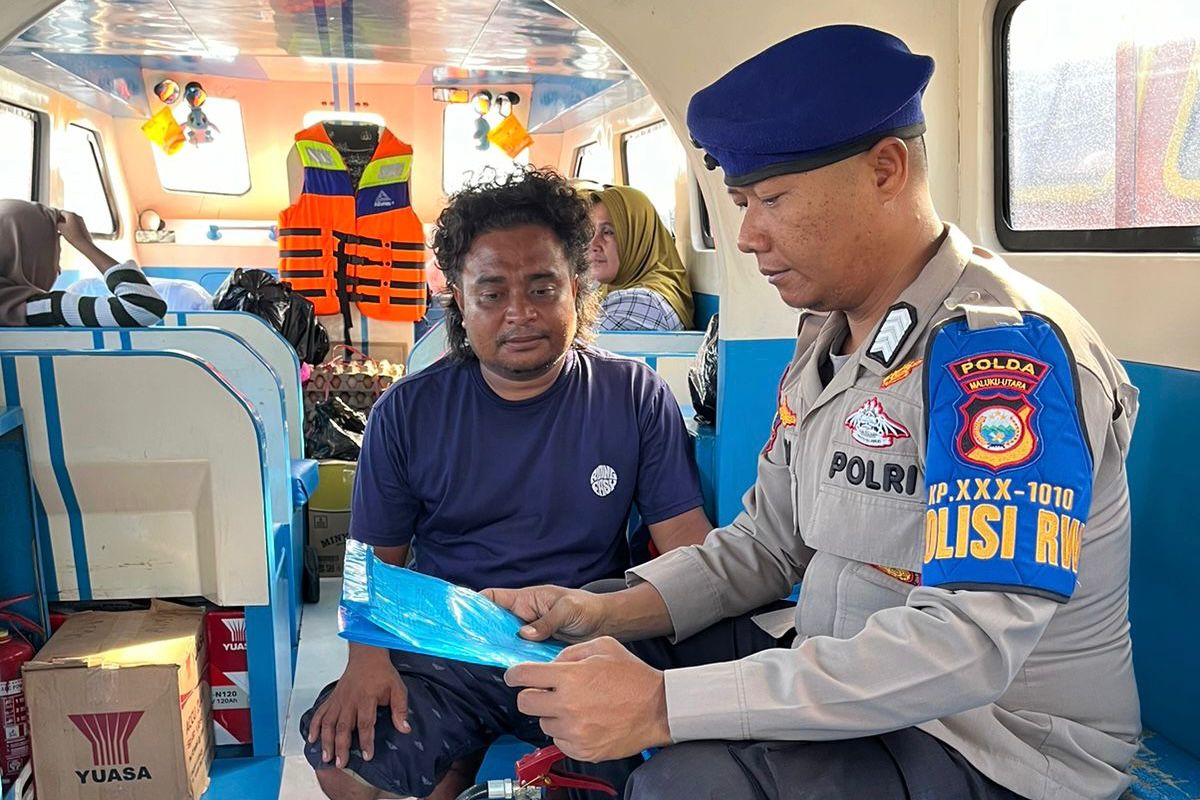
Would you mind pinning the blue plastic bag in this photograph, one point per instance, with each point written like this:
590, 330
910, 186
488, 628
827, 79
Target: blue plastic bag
388, 606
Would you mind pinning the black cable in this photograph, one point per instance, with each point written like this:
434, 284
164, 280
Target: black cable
477, 792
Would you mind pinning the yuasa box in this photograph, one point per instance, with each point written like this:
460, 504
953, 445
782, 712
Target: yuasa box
118, 706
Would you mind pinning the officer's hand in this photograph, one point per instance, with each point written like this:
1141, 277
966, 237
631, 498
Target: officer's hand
571, 615
596, 700
369, 681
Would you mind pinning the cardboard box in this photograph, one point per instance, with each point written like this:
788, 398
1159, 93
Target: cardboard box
118, 706
329, 515
229, 676
327, 531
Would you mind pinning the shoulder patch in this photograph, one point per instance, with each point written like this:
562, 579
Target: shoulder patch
784, 416
897, 324
1006, 506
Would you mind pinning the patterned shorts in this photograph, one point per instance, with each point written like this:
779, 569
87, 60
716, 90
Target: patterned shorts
454, 710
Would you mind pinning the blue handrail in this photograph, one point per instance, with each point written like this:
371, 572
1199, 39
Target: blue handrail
214, 231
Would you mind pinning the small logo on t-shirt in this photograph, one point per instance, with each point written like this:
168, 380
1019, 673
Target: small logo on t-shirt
604, 480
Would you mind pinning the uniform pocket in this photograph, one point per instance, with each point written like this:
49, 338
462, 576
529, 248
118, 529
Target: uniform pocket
863, 590
874, 529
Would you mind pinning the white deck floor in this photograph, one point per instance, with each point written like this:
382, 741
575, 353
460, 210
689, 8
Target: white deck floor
321, 660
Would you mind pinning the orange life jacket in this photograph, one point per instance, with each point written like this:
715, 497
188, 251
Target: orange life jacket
338, 245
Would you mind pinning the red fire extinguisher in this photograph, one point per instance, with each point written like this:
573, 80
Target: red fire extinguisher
14, 718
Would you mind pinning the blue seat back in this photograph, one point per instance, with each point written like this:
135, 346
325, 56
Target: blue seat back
1164, 471
271, 346
150, 473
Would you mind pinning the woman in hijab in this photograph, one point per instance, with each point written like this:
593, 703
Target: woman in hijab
29, 252
644, 286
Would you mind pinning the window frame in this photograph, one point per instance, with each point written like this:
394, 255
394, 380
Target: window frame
702, 220
1118, 240
577, 156
39, 137
97, 143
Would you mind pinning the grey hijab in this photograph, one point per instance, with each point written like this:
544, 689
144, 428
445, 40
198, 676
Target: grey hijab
29, 251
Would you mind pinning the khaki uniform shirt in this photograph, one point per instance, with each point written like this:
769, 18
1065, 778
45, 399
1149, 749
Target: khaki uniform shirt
1038, 695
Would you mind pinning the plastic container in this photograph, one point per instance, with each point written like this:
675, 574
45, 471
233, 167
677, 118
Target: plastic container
329, 515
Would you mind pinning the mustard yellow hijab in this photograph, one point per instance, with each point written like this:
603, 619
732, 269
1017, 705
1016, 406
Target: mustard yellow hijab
646, 250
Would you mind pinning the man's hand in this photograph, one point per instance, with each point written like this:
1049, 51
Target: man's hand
370, 681
596, 700
571, 615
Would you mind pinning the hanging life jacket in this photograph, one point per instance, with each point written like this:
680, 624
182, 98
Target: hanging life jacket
338, 245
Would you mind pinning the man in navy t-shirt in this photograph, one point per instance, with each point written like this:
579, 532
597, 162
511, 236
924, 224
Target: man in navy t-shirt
512, 462
515, 493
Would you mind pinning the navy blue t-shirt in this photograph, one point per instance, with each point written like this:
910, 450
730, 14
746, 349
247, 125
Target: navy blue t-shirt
492, 492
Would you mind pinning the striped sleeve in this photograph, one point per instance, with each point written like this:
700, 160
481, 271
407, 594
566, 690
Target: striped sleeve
135, 304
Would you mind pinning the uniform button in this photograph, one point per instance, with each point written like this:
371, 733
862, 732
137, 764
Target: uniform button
973, 296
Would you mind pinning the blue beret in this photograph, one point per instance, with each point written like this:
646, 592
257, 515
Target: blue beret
816, 98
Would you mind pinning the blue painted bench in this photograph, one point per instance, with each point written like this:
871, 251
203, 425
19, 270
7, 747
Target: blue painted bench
1163, 602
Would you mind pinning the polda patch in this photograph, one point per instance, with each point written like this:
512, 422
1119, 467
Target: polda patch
996, 429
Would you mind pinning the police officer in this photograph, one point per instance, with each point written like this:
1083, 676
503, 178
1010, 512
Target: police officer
946, 474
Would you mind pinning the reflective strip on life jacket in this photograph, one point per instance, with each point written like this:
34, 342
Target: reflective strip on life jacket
381, 171
324, 170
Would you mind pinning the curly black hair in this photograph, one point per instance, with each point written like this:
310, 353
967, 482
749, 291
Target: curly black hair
527, 196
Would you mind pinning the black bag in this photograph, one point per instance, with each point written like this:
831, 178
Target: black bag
260, 293
310, 587
702, 377
332, 429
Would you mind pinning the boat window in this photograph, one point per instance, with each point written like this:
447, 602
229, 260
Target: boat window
591, 165
463, 163
652, 160
1098, 124
86, 188
218, 165
18, 157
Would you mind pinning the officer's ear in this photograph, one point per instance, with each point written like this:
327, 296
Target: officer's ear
890, 163
456, 293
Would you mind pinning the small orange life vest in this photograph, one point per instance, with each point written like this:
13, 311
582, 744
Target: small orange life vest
338, 245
